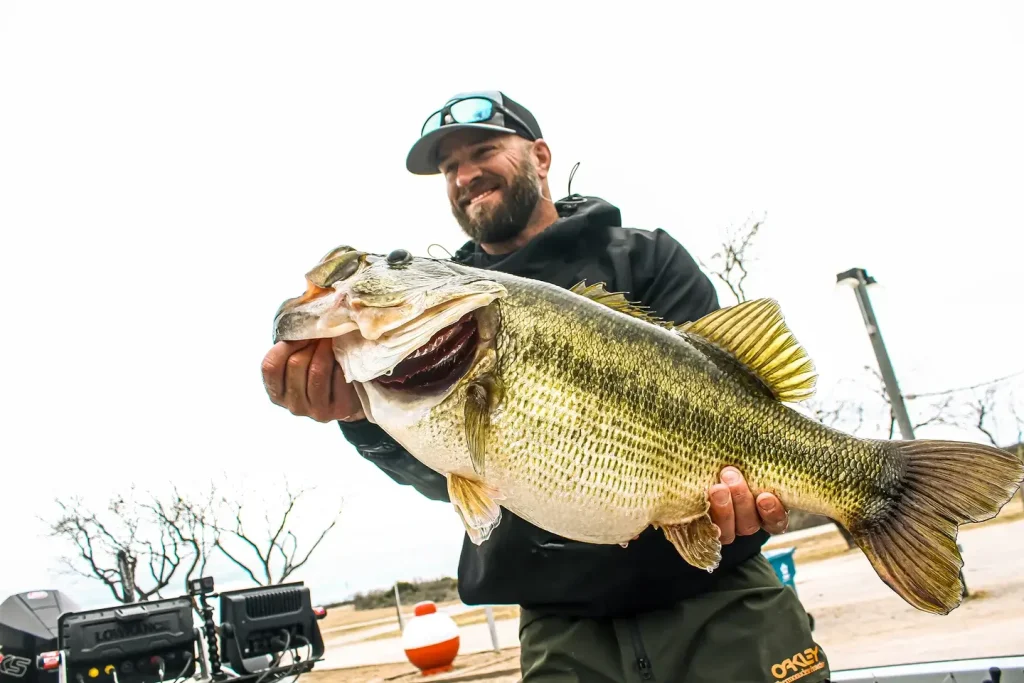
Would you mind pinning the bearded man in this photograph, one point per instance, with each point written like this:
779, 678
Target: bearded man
598, 613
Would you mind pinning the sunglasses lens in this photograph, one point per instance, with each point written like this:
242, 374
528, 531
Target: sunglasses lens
432, 123
472, 110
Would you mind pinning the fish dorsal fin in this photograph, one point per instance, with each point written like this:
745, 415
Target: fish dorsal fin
617, 301
756, 336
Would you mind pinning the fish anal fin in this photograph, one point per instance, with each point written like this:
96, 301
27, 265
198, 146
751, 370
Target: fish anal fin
617, 301
483, 395
755, 335
697, 540
476, 504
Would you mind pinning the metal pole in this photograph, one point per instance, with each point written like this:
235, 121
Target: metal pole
398, 608
884, 365
489, 611
899, 409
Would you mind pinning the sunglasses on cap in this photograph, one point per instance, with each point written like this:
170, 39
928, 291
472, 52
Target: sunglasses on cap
475, 109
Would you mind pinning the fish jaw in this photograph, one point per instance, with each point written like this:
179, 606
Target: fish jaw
398, 305
366, 359
424, 377
314, 315
319, 312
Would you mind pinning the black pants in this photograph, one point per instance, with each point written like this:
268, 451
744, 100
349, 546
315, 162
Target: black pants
750, 629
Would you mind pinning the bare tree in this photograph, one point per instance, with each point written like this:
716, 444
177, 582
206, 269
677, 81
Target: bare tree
277, 553
189, 521
733, 259
981, 411
137, 548
939, 411
112, 545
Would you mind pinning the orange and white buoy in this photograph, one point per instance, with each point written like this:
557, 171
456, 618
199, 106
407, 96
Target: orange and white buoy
430, 639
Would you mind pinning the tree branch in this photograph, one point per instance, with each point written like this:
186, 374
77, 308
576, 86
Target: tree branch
734, 259
982, 409
238, 562
318, 540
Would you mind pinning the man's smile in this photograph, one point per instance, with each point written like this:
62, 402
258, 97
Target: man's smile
483, 195
477, 196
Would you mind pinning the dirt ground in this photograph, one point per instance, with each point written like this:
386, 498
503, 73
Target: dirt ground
349, 618
495, 667
858, 620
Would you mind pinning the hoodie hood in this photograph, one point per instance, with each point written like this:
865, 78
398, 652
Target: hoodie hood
576, 214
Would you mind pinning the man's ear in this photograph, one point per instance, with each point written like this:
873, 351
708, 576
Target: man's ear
541, 157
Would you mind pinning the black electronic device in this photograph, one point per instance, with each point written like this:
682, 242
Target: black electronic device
142, 642
28, 629
257, 623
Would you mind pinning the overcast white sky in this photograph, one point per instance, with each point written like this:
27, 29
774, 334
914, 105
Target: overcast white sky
169, 171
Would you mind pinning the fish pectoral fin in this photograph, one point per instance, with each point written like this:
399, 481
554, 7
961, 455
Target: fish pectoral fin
756, 336
482, 397
475, 502
697, 541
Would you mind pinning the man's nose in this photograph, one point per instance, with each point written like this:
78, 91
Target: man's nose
466, 174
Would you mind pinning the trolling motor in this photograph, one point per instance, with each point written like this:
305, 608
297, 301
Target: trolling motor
159, 642
28, 626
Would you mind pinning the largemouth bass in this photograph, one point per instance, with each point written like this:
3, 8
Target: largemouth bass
592, 418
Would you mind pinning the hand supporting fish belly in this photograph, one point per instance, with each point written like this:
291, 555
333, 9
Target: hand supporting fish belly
593, 419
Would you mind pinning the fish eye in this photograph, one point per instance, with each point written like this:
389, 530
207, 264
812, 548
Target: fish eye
399, 257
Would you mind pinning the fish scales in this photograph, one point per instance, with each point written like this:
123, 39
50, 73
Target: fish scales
589, 417
657, 463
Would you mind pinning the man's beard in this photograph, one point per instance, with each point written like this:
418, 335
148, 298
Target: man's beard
509, 217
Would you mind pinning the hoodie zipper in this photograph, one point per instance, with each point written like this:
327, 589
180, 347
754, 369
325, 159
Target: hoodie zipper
642, 661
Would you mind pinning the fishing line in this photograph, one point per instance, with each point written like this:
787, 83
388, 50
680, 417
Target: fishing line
572, 201
440, 246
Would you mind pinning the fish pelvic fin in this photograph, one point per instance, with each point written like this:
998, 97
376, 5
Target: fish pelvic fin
911, 542
698, 541
755, 335
617, 301
475, 503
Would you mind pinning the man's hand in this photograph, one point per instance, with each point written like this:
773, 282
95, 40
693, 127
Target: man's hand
733, 509
303, 377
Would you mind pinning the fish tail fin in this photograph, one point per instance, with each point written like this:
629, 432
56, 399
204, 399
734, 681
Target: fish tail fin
911, 541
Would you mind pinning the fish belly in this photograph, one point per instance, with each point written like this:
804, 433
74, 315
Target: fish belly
589, 485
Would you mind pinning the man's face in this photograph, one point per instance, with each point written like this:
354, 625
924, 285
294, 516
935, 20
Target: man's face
493, 186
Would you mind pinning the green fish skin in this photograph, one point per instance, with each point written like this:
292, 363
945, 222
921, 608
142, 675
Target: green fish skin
593, 419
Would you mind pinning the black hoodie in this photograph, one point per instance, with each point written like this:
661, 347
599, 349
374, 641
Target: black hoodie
520, 563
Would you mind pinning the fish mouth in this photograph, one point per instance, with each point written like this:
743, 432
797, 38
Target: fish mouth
438, 364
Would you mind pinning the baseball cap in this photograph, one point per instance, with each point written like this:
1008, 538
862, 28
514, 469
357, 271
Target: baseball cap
481, 110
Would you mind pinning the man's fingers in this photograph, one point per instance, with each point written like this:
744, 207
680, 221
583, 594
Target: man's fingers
345, 404
747, 520
274, 368
722, 513
318, 386
773, 515
303, 377
296, 378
